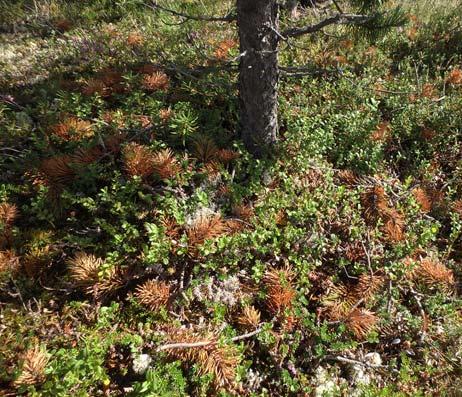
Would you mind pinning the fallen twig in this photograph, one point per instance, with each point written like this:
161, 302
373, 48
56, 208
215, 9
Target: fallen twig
192, 345
230, 17
351, 361
247, 335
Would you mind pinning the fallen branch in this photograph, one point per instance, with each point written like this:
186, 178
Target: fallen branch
9, 100
291, 71
338, 19
248, 335
192, 345
231, 17
354, 362
197, 71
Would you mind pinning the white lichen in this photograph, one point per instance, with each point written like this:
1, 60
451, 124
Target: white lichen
325, 383
141, 363
228, 292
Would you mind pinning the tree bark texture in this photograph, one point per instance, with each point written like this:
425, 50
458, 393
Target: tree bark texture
258, 73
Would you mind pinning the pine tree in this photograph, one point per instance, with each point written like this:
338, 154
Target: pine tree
260, 37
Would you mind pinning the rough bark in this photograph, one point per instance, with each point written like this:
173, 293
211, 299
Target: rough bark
259, 73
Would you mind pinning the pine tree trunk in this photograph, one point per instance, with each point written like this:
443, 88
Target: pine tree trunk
258, 73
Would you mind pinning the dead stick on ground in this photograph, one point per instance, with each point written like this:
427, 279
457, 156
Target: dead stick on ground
180, 345
355, 362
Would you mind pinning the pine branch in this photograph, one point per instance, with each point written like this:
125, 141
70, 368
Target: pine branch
380, 23
231, 17
372, 25
337, 19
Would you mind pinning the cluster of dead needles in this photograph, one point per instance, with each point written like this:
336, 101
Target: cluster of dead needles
205, 227
153, 294
211, 357
33, 367
249, 318
107, 82
72, 129
140, 160
382, 132
433, 274
87, 272
375, 203
343, 304
9, 261
156, 81
280, 294
221, 51
454, 77
8, 214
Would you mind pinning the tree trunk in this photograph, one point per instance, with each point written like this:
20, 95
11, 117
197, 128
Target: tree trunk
258, 73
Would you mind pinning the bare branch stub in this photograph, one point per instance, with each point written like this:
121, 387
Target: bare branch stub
231, 17
337, 19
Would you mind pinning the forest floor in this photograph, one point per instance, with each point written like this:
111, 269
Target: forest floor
144, 252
